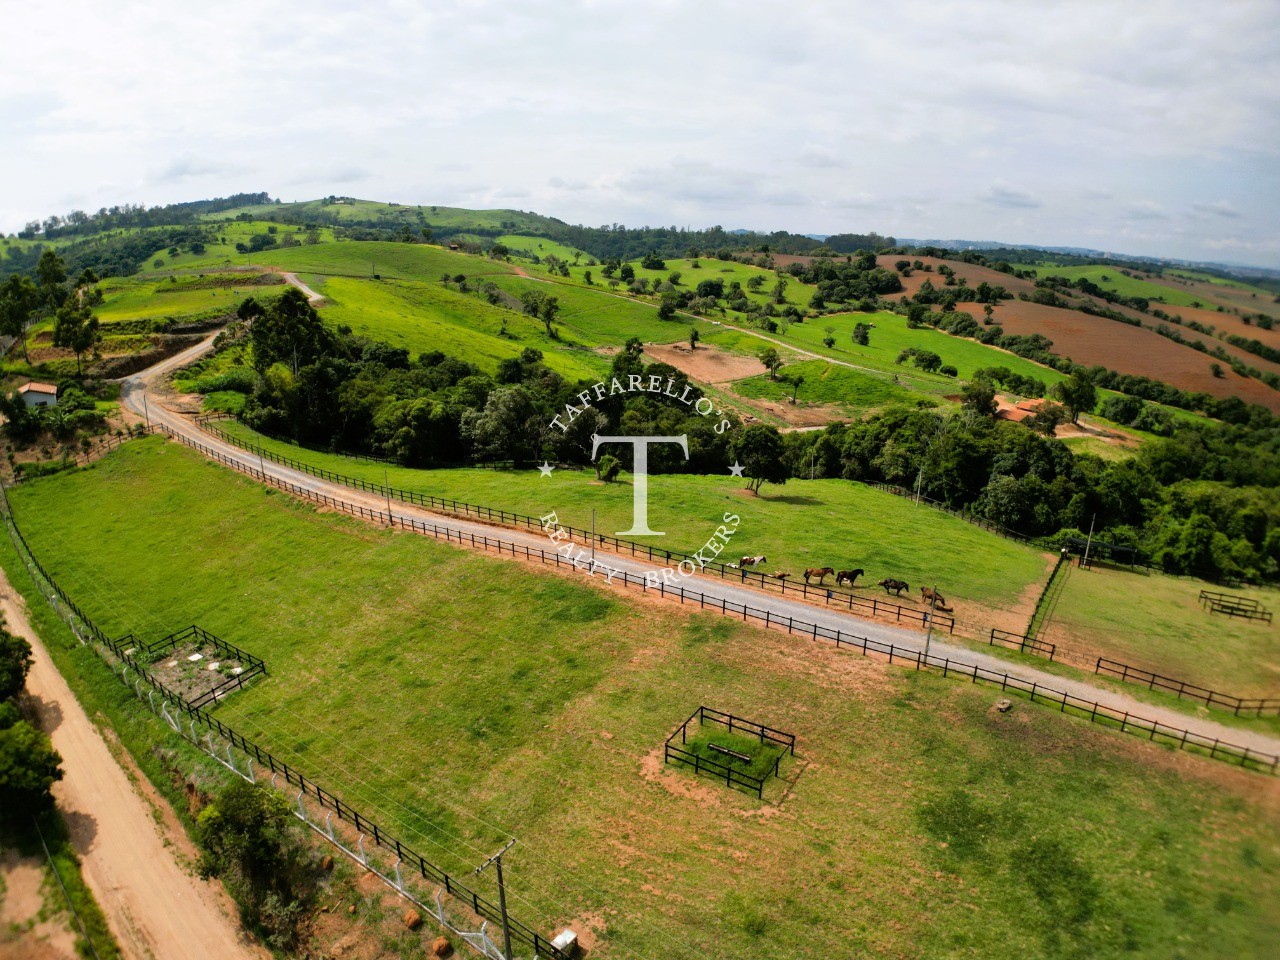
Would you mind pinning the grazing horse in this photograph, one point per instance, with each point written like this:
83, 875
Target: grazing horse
849, 575
929, 595
897, 586
820, 572
751, 561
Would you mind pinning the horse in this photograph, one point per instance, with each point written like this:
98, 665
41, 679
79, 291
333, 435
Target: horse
849, 575
780, 575
820, 572
897, 586
751, 561
929, 595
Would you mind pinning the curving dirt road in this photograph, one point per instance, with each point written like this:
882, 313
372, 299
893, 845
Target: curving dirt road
156, 909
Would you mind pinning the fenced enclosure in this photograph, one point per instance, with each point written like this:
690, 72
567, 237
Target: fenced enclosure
1233, 605
830, 596
1021, 643
1240, 706
782, 744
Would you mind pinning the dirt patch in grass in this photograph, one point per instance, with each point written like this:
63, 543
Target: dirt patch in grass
708, 364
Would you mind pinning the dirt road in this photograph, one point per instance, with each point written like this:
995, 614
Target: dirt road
157, 910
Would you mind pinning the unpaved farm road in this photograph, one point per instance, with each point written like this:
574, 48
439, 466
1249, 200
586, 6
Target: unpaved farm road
156, 909
136, 386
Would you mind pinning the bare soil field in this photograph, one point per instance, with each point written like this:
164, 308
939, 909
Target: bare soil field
1097, 340
707, 364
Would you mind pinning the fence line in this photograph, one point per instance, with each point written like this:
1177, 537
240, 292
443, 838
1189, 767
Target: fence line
1257, 706
89, 633
830, 596
732, 777
1022, 643
1246, 757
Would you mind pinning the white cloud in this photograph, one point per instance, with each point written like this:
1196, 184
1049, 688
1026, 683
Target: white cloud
993, 120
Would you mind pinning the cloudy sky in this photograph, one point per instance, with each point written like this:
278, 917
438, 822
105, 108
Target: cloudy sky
1149, 128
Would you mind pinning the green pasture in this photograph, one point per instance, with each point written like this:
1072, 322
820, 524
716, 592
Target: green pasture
543, 247
827, 383
1110, 278
460, 699
1156, 623
805, 523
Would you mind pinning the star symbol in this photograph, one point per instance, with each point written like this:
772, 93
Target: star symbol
546, 469
737, 469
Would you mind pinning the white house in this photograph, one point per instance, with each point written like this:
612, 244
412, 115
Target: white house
38, 394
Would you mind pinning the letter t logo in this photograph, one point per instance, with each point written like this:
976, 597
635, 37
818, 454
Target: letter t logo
640, 491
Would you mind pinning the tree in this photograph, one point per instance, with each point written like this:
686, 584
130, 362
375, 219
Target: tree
862, 334
626, 273
76, 328
780, 291
608, 467
797, 381
1046, 419
586, 276
249, 838
19, 298
829, 340
980, 397
769, 357
710, 288
761, 451
15, 662
51, 274
1078, 394
29, 767
694, 337
290, 332
652, 261
667, 308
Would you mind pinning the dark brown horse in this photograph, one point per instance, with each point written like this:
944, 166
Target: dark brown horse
897, 586
847, 576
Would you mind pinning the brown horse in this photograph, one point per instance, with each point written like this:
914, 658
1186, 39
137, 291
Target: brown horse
820, 572
929, 595
780, 575
897, 586
847, 575
751, 561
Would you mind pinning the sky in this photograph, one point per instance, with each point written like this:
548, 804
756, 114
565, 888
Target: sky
1144, 128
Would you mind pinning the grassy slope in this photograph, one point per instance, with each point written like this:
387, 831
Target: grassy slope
1117, 282
425, 316
803, 524
827, 383
1156, 622
458, 715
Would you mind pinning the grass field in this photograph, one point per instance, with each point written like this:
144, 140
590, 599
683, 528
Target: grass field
543, 247
425, 316
1110, 278
131, 299
1156, 623
827, 383
805, 523
921, 823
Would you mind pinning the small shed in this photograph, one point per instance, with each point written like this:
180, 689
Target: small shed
36, 394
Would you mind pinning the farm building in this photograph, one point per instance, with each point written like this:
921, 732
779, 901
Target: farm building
36, 394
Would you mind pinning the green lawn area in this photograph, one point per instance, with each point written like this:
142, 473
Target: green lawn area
1110, 278
428, 316
461, 699
1155, 622
827, 383
806, 523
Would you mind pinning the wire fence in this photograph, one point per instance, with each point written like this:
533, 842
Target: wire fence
829, 596
124, 652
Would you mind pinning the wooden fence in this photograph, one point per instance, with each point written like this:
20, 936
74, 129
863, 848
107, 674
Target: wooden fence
830, 596
1153, 730
731, 777
1021, 643
1247, 706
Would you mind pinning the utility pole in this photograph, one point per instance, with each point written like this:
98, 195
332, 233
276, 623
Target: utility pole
386, 486
928, 637
1089, 542
496, 860
145, 409
593, 534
